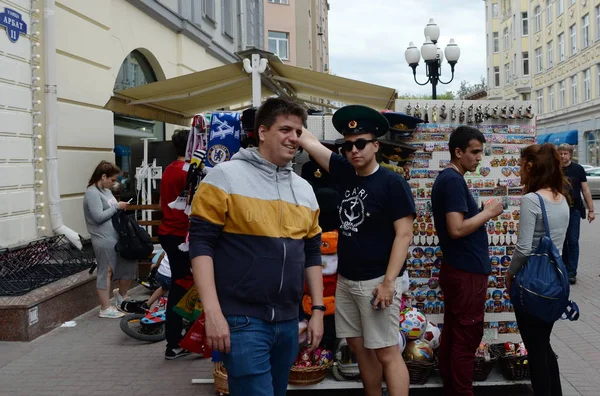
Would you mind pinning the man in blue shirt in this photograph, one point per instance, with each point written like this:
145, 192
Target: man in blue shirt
376, 212
466, 263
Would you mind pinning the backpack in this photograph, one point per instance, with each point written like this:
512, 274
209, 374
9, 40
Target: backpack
541, 288
134, 242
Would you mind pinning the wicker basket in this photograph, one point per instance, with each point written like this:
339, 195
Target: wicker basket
220, 376
308, 375
513, 367
483, 368
419, 371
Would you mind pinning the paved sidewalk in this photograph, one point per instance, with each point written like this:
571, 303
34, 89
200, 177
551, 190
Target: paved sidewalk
97, 358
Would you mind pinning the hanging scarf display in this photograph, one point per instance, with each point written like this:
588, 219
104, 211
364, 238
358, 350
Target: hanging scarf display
197, 138
223, 138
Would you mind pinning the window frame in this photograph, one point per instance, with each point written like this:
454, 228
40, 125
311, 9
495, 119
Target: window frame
539, 60
525, 61
497, 76
278, 40
537, 18
574, 90
524, 24
560, 44
573, 39
550, 54
587, 84
585, 31
496, 42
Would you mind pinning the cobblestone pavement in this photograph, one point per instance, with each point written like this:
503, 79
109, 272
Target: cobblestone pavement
97, 358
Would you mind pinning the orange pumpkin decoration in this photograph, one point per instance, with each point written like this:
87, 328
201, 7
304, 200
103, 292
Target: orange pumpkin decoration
329, 241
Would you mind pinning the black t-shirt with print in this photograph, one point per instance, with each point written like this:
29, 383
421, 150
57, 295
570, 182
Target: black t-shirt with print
368, 209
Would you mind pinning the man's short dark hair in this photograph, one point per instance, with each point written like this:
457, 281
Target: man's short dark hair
268, 112
462, 136
180, 139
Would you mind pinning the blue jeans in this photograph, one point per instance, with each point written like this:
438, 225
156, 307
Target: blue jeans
262, 354
570, 254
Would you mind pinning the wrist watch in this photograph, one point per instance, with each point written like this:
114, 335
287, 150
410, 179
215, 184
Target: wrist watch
319, 308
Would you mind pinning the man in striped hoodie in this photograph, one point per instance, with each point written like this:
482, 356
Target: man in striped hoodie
254, 236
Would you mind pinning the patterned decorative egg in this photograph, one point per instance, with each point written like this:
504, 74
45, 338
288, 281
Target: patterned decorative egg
418, 350
402, 341
412, 323
432, 335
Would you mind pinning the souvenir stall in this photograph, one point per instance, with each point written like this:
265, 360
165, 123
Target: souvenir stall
419, 154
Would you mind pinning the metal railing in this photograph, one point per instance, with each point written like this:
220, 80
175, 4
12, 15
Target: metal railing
39, 263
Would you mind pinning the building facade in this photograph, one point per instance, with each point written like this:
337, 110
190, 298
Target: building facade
97, 48
297, 32
549, 52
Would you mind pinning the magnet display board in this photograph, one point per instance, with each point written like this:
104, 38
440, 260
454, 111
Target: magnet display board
507, 127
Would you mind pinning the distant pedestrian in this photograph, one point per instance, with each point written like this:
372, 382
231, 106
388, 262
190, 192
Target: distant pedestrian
540, 173
578, 185
99, 206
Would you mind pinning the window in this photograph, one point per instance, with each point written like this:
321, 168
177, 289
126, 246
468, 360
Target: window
496, 42
278, 44
227, 12
560, 6
525, 56
571, 2
597, 11
573, 35
495, 11
497, 75
208, 9
506, 40
540, 100
524, 24
587, 85
538, 60
574, 96
279, 1
549, 14
561, 95
561, 47
551, 98
537, 18
550, 54
585, 31
598, 80
525, 96
507, 73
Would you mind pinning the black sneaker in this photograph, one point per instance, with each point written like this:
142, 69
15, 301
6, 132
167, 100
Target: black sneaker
172, 354
572, 280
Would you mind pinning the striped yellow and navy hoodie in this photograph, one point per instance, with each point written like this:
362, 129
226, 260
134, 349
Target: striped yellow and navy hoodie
259, 223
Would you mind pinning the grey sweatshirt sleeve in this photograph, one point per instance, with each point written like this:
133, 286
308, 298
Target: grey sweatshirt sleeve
93, 201
530, 209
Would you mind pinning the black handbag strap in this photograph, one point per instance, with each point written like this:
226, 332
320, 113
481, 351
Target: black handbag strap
544, 215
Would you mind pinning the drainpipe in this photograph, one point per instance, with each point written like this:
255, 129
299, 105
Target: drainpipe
241, 25
51, 113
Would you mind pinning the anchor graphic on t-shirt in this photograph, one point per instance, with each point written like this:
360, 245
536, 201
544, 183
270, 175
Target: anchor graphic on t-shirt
352, 217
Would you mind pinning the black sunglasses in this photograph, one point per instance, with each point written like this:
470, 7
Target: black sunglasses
359, 143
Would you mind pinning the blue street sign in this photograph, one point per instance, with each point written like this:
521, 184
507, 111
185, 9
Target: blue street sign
14, 24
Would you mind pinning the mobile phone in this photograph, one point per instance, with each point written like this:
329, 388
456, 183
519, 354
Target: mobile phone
378, 308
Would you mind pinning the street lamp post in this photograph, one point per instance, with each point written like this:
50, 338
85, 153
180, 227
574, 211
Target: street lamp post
433, 57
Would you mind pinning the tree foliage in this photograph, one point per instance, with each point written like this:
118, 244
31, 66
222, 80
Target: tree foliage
467, 88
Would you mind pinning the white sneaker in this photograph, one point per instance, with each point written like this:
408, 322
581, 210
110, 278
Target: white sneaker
111, 313
118, 298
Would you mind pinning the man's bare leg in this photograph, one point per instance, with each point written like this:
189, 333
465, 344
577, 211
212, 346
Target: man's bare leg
394, 370
371, 371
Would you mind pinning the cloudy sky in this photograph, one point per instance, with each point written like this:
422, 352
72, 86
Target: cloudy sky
367, 40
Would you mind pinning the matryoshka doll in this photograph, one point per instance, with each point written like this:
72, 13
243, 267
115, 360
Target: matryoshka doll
498, 229
511, 227
422, 229
415, 229
429, 230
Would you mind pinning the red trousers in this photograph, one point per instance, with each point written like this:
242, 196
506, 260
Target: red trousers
464, 307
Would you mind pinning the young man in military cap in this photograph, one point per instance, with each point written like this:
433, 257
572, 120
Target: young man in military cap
376, 214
